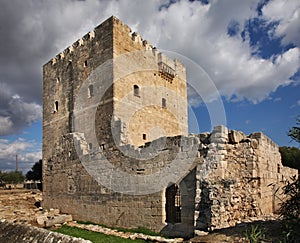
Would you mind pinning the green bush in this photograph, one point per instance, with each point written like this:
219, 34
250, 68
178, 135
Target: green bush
290, 210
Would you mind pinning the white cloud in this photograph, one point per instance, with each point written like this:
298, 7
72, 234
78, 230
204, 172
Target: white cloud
5, 125
287, 12
37, 30
28, 153
200, 32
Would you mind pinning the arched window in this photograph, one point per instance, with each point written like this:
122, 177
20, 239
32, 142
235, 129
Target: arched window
85, 63
136, 90
91, 91
163, 103
144, 136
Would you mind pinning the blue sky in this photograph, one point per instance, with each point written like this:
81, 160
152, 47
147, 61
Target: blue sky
249, 50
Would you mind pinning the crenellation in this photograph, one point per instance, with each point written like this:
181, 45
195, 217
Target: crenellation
62, 55
54, 60
91, 35
80, 42
71, 48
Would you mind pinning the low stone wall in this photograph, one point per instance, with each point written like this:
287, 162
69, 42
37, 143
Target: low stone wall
11, 232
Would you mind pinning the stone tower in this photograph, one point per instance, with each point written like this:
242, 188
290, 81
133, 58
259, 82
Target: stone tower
143, 92
110, 88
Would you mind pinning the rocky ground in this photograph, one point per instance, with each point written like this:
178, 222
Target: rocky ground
20, 206
23, 206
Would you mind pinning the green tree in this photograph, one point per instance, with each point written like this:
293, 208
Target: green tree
2, 182
35, 173
294, 132
13, 177
290, 156
290, 208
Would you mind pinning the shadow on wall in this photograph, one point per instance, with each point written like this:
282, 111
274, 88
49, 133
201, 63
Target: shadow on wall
204, 218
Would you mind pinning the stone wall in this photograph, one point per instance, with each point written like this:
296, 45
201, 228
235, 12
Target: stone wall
11, 232
75, 190
156, 78
238, 179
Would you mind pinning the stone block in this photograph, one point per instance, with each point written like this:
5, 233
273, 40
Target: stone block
220, 129
236, 136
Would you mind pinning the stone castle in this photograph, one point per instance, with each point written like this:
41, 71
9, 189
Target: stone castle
116, 149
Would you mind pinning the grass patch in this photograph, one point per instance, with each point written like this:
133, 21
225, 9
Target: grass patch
255, 235
95, 237
136, 230
139, 230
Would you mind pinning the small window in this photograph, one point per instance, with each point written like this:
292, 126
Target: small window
85, 63
58, 80
56, 106
91, 91
144, 136
90, 146
163, 103
278, 168
136, 90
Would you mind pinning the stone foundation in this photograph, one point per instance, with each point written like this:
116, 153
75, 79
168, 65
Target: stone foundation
11, 232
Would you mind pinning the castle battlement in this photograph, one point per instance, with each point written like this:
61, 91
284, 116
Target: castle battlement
174, 66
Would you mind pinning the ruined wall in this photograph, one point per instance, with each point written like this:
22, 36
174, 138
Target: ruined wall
74, 191
238, 179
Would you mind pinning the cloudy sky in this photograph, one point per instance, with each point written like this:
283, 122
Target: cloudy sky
249, 49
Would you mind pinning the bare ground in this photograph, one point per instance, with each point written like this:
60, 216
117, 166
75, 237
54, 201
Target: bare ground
20, 205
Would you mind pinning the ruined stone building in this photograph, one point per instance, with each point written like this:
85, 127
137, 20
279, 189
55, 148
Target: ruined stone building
116, 149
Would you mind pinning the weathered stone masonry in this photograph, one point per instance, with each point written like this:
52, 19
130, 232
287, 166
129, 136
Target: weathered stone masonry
238, 179
222, 177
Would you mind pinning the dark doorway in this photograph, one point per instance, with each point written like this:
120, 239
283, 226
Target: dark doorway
173, 204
